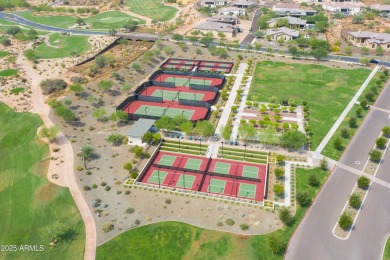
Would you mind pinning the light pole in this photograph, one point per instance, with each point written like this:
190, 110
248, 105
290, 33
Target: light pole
222, 148
145, 110
245, 151
200, 145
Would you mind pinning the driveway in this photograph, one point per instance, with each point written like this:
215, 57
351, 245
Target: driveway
313, 238
249, 38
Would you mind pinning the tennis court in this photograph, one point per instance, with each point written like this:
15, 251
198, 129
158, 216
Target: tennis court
176, 95
193, 164
250, 171
221, 167
185, 81
157, 177
217, 186
185, 181
167, 160
163, 111
247, 190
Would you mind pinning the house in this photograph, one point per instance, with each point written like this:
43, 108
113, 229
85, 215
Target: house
243, 4
224, 19
369, 39
344, 8
293, 23
282, 33
138, 130
216, 27
212, 3
292, 10
382, 9
233, 11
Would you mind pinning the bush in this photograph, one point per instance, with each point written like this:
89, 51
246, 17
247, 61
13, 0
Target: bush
381, 142
285, 216
303, 198
107, 188
107, 227
49, 86
355, 201
280, 159
230, 222
345, 133
386, 130
278, 189
86, 188
345, 221
128, 166
168, 201
313, 180
279, 173
352, 122
244, 227
275, 243
133, 174
137, 222
130, 210
375, 155
219, 224
79, 168
363, 182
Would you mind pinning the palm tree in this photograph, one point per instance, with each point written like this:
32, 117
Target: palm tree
85, 153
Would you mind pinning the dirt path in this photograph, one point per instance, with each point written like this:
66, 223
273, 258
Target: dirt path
147, 19
65, 170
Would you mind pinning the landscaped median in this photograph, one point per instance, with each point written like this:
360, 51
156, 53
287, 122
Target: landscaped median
353, 206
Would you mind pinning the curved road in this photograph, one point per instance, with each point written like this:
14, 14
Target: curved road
313, 238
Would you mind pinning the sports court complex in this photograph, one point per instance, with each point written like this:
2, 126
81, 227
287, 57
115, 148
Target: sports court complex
171, 93
197, 65
227, 178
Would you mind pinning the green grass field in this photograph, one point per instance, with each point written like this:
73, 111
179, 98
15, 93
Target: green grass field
69, 46
106, 20
3, 53
330, 150
8, 73
15, 3
175, 240
28, 201
152, 9
327, 90
386, 254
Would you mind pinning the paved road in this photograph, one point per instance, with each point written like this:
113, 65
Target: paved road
255, 27
314, 239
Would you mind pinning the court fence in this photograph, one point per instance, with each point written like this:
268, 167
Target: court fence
174, 168
195, 103
203, 88
234, 176
150, 99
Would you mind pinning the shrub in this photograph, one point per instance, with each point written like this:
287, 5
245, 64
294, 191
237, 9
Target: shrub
285, 216
280, 159
137, 222
313, 180
275, 243
49, 86
230, 222
168, 201
363, 182
219, 224
381, 142
86, 188
278, 189
386, 130
107, 227
355, 201
103, 184
107, 188
244, 226
303, 198
89, 173
279, 173
79, 168
345, 221
352, 122
130, 210
133, 174
375, 155
128, 166
94, 186
344, 132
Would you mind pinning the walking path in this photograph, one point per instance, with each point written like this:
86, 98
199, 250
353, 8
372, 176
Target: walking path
336, 125
147, 20
241, 108
66, 173
232, 97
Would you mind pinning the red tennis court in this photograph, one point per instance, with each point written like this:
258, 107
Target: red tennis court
184, 161
174, 66
166, 108
182, 62
184, 81
178, 92
240, 169
233, 188
214, 69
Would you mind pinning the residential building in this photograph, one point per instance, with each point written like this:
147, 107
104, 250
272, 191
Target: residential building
224, 19
212, 3
243, 4
138, 130
216, 27
292, 10
342, 7
382, 9
282, 33
293, 23
233, 11
369, 39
